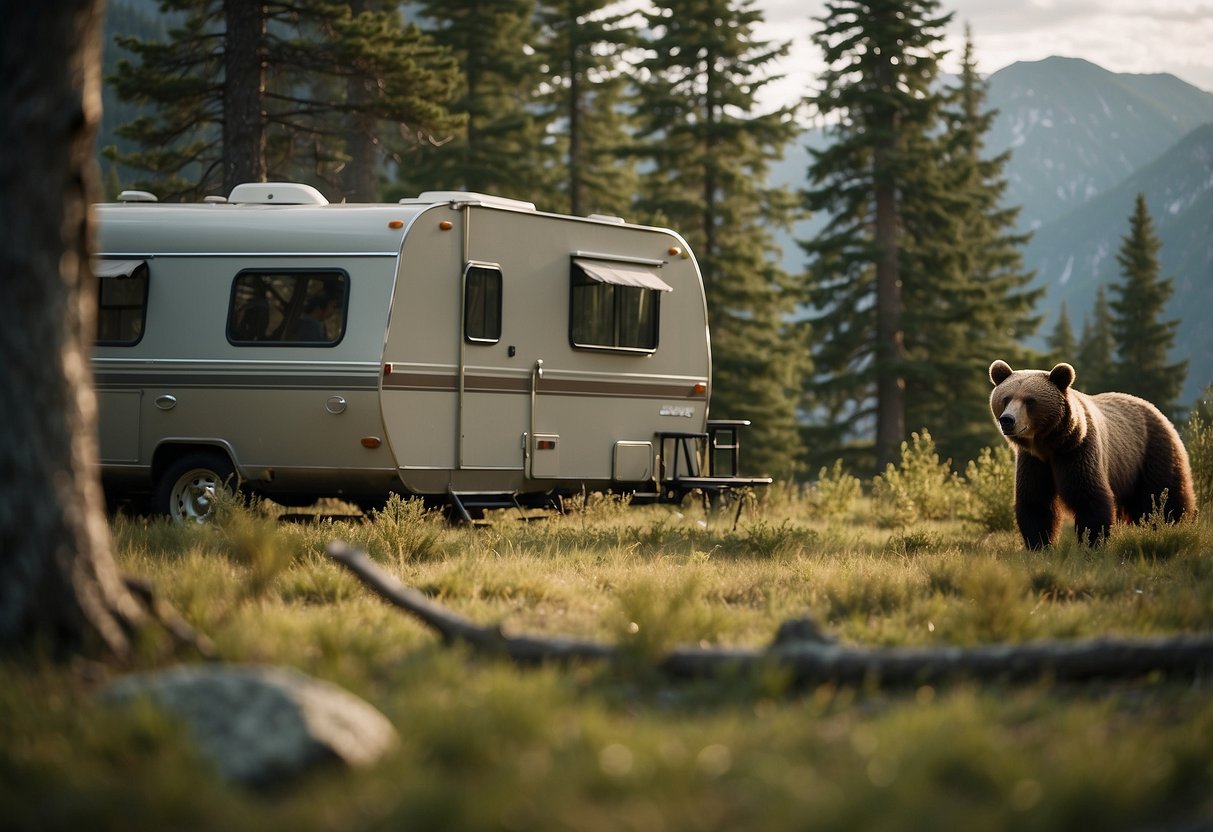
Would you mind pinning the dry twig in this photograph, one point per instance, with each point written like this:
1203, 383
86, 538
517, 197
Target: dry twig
809, 658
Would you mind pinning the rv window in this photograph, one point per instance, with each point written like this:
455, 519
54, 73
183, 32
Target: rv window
121, 302
607, 312
304, 308
482, 304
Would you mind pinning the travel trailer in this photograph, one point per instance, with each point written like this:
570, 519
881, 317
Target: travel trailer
456, 346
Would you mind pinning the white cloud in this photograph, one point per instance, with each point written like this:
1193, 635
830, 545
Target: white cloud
1142, 36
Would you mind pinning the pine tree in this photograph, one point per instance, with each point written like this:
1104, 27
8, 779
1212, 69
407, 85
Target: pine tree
503, 148
1062, 346
393, 82
1142, 340
122, 17
962, 272
249, 91
706, 151
882, 58
1094, 365
581, 48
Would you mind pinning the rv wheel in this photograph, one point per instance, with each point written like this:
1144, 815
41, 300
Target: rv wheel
187, 488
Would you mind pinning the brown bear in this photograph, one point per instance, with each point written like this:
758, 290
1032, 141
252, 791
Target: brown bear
1106, 457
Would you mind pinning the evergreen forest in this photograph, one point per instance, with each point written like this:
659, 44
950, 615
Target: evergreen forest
656, 112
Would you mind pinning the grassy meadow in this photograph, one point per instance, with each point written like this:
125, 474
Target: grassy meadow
918, 557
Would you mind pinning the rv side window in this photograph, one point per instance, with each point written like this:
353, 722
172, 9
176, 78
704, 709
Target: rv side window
482, 304
298, 308
121, 302
613, 307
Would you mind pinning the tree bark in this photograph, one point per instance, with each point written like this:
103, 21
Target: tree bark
808, 658
575, 113
59, 584
243, 93
890, 340
361, 176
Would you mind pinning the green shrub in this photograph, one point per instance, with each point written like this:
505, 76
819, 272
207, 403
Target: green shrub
921, 487
834, 492
403, 530
1198, 437
990, 490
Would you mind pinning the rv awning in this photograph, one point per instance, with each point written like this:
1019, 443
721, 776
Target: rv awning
623, 275
116, 268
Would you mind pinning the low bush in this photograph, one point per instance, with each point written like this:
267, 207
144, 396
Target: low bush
1198, 438
990, 490
920, 487
834, 494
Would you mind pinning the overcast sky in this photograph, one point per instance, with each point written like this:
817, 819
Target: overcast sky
1139, 36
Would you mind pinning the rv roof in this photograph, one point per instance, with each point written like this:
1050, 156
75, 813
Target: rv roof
465, 197
278, 218
159, 228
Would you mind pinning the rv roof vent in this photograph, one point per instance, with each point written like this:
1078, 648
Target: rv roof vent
611, 218
277, 193
137, 196
469, 197
214, 199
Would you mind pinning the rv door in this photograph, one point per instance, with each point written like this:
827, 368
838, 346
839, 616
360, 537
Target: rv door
492, 384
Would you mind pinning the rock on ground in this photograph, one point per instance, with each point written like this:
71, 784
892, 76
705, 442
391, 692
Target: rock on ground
262, 725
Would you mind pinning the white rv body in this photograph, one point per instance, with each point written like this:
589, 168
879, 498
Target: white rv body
415, 388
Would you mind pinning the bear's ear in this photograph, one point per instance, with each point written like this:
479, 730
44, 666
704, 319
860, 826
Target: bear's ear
1063, 376
1000, 371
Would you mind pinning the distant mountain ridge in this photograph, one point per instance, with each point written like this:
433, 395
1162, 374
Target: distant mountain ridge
1076, 255
1077, 130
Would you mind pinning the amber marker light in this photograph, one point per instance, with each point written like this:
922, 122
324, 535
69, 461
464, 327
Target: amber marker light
371, 442
446, 225
675, 251
395, 223
699, 389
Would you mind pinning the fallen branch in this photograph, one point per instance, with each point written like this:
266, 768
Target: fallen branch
809, 658
455, 629
168, 618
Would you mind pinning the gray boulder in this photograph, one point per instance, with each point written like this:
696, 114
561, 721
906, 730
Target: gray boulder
263, 725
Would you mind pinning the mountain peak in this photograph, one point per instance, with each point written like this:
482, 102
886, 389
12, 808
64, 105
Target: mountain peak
1059, 65
1077, 129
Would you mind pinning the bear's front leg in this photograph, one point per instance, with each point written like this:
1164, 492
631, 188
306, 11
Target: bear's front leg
1035, 501
1085, 489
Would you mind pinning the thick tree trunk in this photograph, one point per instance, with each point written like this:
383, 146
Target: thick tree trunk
361, 176
58, 580
360, 180
890, 340
575, 117
243, 94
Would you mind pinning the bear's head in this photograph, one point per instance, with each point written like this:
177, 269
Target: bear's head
1029, 404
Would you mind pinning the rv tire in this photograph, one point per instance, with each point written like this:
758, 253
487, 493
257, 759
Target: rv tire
187, 488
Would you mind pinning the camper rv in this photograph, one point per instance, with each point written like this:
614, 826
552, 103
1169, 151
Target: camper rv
455, 346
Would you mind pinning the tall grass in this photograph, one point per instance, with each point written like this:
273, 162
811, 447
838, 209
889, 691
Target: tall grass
488, 745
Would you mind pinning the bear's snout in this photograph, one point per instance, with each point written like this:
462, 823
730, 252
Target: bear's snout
1007, 423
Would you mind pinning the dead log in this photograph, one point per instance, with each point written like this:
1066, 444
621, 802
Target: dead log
815, 659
